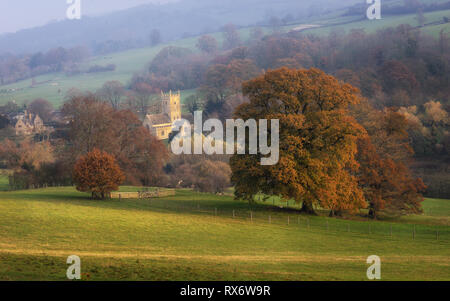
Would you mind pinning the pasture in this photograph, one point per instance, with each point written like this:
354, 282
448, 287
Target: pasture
348, 23
54, 86
196, 236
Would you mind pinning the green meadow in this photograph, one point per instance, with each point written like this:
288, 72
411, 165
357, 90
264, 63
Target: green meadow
54, 86
370, 26
196, 236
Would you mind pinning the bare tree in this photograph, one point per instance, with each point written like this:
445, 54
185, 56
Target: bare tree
231, 37
41, 107
112, 91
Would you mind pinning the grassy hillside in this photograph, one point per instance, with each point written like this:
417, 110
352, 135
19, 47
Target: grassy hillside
181, 238
53, 87
386, 21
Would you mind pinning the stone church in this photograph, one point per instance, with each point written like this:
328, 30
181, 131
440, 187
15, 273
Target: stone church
160, 125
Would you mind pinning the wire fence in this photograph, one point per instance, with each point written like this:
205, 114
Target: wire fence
332, 226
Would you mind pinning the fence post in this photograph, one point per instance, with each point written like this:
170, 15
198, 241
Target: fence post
233, 213
251, 216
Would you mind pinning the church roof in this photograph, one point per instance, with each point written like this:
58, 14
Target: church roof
156, 119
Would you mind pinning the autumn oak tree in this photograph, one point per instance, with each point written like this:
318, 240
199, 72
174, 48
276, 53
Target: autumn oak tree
317, 141
98, 173
387, 184
384, 155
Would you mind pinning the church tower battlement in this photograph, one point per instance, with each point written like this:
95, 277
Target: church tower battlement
171, 105
160, 125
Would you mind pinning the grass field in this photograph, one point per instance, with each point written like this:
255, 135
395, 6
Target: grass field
387, 21
55, 85
4, 180
194, 236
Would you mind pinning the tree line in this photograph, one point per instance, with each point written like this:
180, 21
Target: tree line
14, 68
400, 69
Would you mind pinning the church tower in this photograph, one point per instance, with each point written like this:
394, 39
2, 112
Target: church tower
171, 105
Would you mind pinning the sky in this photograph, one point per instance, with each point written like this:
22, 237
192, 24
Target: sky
21, 14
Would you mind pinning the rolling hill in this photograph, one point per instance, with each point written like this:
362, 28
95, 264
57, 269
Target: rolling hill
53, 87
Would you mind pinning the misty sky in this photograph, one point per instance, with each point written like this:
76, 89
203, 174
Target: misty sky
21, 14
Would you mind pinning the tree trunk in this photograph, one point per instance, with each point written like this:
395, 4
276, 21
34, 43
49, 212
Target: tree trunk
307, 208
372, 213
334, 213
97, 196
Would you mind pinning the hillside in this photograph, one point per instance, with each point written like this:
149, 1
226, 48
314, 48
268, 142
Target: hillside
53, 87
174, 20
195, 237
348, 23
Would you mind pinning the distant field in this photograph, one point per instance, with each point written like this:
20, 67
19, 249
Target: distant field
54, 86
182, 238
127, 63
386, 21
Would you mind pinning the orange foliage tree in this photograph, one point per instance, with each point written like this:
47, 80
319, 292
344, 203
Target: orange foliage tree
384, 155
387, 185
97, 172
317, 141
